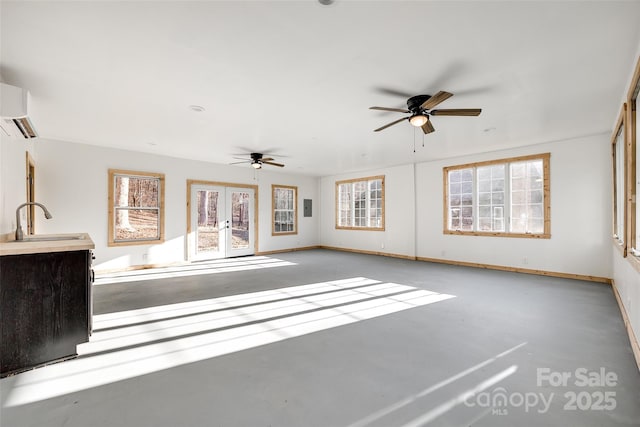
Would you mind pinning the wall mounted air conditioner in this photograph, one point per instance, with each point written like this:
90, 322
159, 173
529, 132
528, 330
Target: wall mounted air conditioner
14, 118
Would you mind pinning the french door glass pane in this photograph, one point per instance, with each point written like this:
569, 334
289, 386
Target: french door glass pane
208, 218
240, 220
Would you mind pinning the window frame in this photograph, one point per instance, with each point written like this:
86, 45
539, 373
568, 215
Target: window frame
294, 189
546, 193
366, 180
111, 240
620, 129
633, 166
30, 177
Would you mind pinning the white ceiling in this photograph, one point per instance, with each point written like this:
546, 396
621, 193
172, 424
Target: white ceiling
295, 78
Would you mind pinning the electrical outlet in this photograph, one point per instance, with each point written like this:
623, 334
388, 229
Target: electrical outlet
144, 257
382, 245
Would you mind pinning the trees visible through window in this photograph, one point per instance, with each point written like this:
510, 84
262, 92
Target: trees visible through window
284, 214
135, 207
508, 197
360, 203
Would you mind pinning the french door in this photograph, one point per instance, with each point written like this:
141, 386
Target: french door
222, 223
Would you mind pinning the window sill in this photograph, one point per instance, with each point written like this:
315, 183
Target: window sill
361, 228
497, 234
283, 233
111, 243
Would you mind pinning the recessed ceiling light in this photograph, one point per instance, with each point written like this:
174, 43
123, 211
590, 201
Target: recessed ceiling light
491, 129
196, 108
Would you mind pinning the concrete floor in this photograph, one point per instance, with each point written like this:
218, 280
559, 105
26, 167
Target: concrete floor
370, 341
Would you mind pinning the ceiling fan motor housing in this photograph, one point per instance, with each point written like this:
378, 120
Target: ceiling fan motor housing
414, 103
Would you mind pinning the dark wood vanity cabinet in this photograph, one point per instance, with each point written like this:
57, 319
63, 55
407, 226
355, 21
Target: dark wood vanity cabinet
45, 307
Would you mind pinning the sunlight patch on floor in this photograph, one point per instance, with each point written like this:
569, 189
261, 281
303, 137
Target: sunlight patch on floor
138, 342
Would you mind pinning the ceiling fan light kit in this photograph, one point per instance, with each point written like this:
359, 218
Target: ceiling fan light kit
257, 160
421, 108
418, 120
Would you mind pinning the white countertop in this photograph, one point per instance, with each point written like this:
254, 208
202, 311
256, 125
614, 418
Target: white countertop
68, 242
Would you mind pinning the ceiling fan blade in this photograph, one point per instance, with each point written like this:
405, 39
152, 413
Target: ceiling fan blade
237, 163
267, 159
457, 112
399, 110
390, 124
267, 162
394, 92
435, 100
428, 127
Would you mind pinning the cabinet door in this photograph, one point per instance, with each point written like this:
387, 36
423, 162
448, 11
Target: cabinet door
44, 306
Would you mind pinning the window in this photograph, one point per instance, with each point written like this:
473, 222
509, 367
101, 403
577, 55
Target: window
634, 156
618, 182
360, 204
508, 197
136, 207
284, 214
31, 194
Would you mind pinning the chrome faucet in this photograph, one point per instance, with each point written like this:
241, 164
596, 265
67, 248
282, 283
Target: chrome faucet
19, 233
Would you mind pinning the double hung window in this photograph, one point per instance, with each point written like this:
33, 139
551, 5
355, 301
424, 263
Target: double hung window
360, 203
285, 214
136, 207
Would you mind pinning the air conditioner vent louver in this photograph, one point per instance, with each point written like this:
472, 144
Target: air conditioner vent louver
21, 126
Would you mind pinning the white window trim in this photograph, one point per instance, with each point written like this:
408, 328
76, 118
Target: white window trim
274, 187
111, 240
352, 182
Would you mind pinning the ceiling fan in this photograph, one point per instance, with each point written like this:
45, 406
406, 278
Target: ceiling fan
257, 160
420, 108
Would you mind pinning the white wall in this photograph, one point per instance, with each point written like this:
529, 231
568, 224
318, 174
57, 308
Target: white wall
398, 238
627, 281
580, 179
12, 181
580, 214
71, 180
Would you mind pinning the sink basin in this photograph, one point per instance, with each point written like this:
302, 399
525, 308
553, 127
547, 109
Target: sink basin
51, 238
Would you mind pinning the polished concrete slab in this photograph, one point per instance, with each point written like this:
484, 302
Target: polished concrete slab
324, 338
